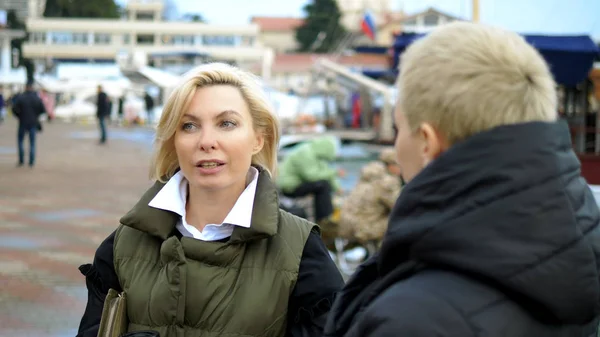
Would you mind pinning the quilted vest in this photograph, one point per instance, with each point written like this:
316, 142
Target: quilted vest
187, 287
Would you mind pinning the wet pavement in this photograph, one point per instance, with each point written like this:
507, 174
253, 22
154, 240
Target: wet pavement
53, 217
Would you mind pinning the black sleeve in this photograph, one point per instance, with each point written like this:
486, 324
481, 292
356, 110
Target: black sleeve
99, 277
318, 281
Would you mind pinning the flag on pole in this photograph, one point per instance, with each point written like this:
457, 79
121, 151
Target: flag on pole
368, 25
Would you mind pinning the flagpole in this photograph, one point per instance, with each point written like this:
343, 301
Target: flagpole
475, 14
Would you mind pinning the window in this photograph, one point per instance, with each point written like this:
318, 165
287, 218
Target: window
61, 37
126, 39
247, 41
37, 37
431, 20
145, 39
101, 38
178, 40
411, 22
218, 40
80, 38
187, 40
145, 16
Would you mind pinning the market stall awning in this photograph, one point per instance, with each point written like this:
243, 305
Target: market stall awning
570, 57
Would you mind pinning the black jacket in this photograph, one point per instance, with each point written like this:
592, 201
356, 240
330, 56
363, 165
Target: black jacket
102, 105
27, 108
308, 307
497, 237
149, 102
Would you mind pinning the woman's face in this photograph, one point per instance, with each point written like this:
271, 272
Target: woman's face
215, 139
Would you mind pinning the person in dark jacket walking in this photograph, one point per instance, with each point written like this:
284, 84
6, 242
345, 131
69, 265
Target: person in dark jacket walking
2, 107
149, 101
102, 112
495, 233
207, 251
27, 108
120, 109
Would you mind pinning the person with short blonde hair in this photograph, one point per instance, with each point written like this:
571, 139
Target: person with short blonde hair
207, 251
495, 233
459, 95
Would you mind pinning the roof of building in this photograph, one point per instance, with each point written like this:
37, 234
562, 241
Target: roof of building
277, 24
300, 62
429, 10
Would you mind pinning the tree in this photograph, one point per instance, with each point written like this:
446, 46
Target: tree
81, 9
321, 16
194, 17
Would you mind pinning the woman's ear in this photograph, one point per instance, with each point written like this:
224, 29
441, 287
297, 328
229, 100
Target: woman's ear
259, 142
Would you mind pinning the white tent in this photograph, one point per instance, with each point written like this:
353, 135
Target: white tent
159, 77
13, 76
113, 87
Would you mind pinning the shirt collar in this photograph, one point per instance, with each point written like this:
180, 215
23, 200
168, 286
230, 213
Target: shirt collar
172, 197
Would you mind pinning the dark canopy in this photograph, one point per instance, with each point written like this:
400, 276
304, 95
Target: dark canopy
571, 58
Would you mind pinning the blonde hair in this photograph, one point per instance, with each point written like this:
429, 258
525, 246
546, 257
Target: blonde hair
165, 162
465, 78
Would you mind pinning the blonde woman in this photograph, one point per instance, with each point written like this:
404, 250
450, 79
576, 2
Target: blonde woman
207, 251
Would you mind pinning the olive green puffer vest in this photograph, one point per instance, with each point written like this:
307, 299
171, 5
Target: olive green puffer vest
187, 287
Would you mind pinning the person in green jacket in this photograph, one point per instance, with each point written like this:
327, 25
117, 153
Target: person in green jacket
207, 252
307, 170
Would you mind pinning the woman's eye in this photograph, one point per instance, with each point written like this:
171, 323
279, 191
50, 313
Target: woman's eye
188, 127
228, 124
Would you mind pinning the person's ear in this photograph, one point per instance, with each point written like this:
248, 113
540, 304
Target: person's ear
432, 143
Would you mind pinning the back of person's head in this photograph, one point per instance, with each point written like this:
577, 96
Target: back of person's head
326, 147
165, 162
465, 78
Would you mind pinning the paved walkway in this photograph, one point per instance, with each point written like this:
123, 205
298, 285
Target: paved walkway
53, 217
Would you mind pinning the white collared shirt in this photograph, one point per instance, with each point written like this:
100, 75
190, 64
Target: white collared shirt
172, 197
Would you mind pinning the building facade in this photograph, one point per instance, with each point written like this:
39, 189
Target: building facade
278, 33
426, 21
140, 31
421, 22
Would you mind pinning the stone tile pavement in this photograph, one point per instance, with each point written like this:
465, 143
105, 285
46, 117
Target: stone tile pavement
53, 217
